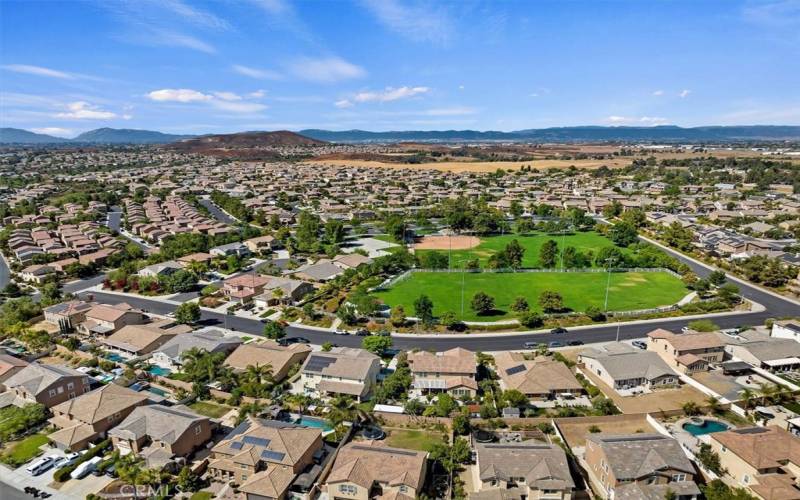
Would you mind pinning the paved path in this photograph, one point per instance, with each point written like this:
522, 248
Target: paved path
5, 272
217, 212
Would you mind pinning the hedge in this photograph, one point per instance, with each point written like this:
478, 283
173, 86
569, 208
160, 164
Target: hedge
63, 473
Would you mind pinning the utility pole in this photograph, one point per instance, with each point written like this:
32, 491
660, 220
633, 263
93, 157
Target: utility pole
608, 283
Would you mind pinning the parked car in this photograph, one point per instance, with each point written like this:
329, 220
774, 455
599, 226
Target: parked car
40, 466
556, 343
363, 332
558, 330
575, 342
71, 458
85, 468
531, 345
640, 344
341, 332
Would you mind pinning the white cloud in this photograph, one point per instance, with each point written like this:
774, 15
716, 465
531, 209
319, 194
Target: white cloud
82, 110
684, 93
658, 93
56, 131
176, 39
417, 22
38, 71
226, 101
642, 120
178, 95
343, 103
193, 15
453, 111
257, 73
390, 94
326, 70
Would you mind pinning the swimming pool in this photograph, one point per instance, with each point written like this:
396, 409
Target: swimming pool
157, 370
315, 423
156, 390
707, 427
111, 356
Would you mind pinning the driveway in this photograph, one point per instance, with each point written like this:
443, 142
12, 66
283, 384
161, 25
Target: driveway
217, 212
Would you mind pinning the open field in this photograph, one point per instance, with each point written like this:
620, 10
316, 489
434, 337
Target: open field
19, 452
583, 242
627, 291
481, 166
575, 430
435, 242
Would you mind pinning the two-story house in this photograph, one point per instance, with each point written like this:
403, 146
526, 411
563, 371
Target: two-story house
689, 352
450, 371
49, 385
342, 370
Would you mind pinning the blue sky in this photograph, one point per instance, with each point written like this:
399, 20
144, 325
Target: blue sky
186, 66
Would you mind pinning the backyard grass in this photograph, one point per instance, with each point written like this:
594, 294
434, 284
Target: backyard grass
202, 495
627, 291
22, 451
209, 409
412, 439
583, 242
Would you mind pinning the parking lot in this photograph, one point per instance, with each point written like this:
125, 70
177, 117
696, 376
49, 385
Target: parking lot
74, 488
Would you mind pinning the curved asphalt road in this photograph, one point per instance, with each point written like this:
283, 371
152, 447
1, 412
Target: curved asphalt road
775, 307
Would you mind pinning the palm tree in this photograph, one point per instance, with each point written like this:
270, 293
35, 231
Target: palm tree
768, 392
191, 358
714, 405
748, 398
259, 374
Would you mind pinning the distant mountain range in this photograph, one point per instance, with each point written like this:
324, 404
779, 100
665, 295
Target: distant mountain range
666, 133
97, 136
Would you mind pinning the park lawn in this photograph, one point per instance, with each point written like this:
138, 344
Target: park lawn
22, 451
583, 242
412, 439
627, 291
209, 409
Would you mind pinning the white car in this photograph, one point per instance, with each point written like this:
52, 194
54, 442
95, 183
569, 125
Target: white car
71, 458
41, 465
85, 468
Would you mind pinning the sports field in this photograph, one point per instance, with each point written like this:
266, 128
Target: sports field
627, 291
583, 242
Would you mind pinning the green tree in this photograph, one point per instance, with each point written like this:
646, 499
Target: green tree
274, 330
551, 301
623, 234
482, 303
461, 425
398, 316
547, 254
334, 231
703, 325
531, 319
423, 310
514, 398
187, 313
717, 278
520, 304
513, 254
377, 344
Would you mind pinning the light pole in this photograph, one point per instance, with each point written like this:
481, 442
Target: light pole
563, 239
608, 283
463, 269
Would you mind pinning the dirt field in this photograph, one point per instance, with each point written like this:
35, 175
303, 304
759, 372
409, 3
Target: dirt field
575, 430
481, 166
660, 400
447, 243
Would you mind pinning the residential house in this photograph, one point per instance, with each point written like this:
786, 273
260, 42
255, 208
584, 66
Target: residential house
786, 329
351, 261
342, 370
162, 434
37, 273
170, 355
237, 249
245, 287
775, 354
160, 269
369, 469
268, 353
199, 257
521, 471
264, 457
689, 352
452, 371
537, 379
10, 366
639, 466
765, 460
137, 340
626, 369
88, 417
323, 270
46, 384
67, 315
103, 319
282, 291
260, 245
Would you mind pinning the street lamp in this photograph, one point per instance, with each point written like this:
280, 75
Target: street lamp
563, 239
608, 283
463, 269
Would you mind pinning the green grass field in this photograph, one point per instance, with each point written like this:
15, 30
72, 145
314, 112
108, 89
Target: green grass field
583, 242
412, 439
20, 452
209, 409
627, 291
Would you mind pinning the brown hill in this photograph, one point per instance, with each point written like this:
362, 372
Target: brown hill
225, 144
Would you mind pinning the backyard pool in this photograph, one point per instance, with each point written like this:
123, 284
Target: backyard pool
114, 357
706, 427
315, 423
157, 370
156, 390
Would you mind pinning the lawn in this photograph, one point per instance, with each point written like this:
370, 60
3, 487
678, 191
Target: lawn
412, 439
22, 451
627, 291
209, 409
583, 242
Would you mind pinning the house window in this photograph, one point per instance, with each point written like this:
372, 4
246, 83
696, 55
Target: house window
60, 389
70, 386
746, 479
403, 488
197, 430
347, 489
51, 392
679, 477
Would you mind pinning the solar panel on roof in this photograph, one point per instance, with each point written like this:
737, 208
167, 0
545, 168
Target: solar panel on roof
272, 455
236, 445
515, 369
256, 441
318, 363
